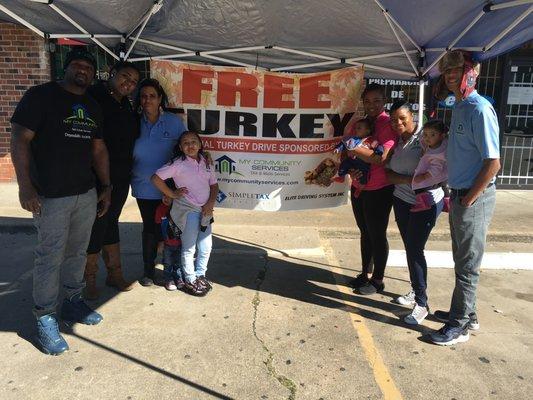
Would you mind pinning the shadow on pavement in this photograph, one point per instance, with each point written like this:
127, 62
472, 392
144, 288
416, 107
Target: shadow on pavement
234, 263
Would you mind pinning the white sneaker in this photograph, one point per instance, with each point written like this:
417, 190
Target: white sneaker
417, 315
407, 299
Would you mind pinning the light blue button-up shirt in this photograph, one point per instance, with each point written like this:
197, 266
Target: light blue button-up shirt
473, 137
152, 150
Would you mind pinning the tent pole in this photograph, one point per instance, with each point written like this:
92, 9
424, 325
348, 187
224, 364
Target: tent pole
401, 43
22, 21
162, 45
83, 36
508, 29
236, 50
303, 53
155, 8
387, 13
453, 42
515, 3
301, 66
100, 44
377, 67
421, 92
226, 60
165, 57
440, 49
384, 55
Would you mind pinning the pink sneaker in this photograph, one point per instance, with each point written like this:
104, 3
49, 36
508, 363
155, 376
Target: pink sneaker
171, 285
424, 201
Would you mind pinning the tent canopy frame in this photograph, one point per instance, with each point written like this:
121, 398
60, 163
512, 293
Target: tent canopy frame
214, 56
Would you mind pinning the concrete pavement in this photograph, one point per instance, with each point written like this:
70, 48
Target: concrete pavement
280, 322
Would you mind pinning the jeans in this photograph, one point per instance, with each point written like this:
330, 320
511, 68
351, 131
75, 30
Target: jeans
63, 233
415, 228
371, 210
172, 262
193, 239
468, 227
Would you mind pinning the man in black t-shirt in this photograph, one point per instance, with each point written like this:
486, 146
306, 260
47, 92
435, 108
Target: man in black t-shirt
55, 146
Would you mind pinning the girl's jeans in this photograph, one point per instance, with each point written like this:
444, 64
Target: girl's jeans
192, 239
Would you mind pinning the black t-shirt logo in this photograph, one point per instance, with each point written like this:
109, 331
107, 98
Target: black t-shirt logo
80, 124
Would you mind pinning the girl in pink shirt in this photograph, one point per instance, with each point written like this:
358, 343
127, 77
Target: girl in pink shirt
432, 170
192, 208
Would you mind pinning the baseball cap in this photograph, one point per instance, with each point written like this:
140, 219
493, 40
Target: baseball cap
79, 54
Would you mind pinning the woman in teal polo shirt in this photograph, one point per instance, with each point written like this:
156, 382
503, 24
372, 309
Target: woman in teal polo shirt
159, 133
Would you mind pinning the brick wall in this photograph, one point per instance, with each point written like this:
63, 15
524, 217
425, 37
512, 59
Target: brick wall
24, 62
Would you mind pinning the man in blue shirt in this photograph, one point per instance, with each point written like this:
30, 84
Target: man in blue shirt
473, 161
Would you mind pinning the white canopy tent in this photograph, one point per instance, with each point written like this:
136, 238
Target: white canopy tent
390, 38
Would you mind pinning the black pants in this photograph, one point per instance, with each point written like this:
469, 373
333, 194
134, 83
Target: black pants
151, 234
371, 210
147, 209
105, 229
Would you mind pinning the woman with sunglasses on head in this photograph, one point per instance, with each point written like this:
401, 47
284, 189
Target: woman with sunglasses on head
159, 133
119, 133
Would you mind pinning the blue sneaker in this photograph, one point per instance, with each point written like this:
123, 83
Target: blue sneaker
449, 335
75, 310
48, 335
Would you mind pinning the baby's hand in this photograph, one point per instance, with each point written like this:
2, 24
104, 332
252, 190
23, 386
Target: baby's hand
180, 192
355, 174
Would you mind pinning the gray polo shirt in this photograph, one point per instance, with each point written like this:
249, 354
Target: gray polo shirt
404, 161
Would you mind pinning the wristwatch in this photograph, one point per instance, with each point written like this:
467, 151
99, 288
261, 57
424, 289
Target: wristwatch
105, 187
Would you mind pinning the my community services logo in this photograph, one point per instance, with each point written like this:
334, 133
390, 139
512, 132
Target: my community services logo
225, 165
80, 114
80, 124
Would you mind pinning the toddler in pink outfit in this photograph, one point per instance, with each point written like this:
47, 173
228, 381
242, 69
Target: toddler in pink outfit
431, 171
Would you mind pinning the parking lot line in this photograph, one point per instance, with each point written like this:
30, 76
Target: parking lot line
381, 372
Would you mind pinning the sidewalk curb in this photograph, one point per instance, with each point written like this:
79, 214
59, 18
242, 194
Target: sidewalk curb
437, 235
25, 225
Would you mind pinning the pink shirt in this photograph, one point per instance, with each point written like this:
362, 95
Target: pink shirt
434, 162
196, 176
386, 137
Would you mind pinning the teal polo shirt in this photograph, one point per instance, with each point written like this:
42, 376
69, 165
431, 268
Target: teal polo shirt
474, 136
153, 149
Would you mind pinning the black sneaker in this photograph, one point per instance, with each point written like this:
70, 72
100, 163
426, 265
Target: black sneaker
195, 288
444, 316
146, 281
371, 287
204, 282
449, 335
358, 281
